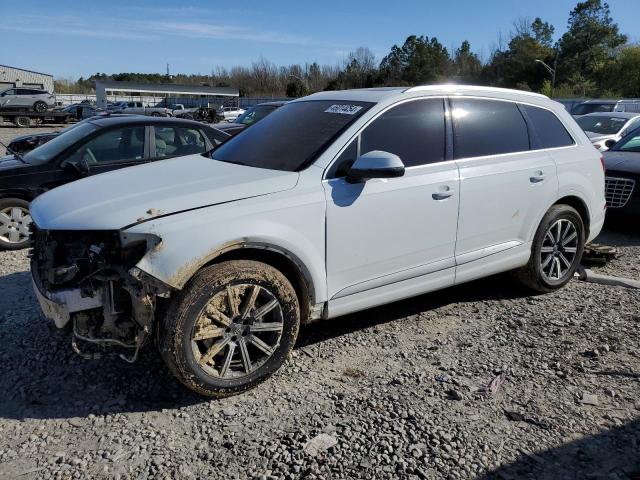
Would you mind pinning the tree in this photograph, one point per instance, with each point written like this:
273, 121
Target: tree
420, 60
466, 64
588, 46
516, 65
296, 88
624, 74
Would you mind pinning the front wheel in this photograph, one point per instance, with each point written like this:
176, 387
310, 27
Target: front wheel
230, 328
15, 222
556, 251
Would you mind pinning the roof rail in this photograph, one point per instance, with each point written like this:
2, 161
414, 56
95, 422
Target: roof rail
453, 86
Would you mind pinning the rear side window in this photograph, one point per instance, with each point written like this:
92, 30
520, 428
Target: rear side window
549, 129
413, 130
487, 127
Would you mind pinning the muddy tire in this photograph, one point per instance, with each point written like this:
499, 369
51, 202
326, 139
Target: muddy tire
231, 327
22, 122
556, 251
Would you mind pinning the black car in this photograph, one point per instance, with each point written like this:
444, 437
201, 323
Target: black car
250, 116
622, 176
91, 147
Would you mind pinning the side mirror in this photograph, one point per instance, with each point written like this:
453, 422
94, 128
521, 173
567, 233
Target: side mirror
610, 143
375, 164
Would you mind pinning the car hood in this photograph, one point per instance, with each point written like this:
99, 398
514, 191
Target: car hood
10, 162
34, 135
622, 161
123, 198
597, 137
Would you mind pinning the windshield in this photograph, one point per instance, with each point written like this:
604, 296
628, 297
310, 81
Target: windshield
45, 153
629, 143
253, 114
601, 124
585, 108
291, 137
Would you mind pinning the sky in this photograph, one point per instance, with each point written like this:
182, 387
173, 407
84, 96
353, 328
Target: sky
72, 38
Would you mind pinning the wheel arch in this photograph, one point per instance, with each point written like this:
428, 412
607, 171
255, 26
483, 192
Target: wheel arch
581, 207
281, 259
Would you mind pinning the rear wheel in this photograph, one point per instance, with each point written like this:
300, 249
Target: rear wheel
556, 251
155, 114
231, 328
22, 122
40, 106
14, 223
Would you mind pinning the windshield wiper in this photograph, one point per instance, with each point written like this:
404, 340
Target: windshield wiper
17, 155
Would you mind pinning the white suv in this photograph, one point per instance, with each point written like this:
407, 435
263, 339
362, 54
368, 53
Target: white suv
333, 203
31, 98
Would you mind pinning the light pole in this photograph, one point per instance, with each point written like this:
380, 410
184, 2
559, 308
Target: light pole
552, 71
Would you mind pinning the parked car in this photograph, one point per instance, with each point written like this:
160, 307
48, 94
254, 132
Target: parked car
138, 108
622, 176
86, 149
333, 203
250, 116
25, 143
229, 113
180, 111
30, 98
83, 110
605, 129
593, 106
570, 103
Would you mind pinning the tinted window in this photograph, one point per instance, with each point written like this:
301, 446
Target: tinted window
487, 127
176, 142
292, 136
413, 130
549, 130
630, 143
342, 165
585, 108
112, 146
253, 114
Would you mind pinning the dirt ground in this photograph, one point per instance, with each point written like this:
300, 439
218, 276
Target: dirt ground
397, 390
8, 132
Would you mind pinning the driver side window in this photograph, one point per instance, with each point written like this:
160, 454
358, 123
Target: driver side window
114, 146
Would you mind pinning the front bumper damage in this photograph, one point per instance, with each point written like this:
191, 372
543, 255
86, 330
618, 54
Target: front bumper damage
89, 281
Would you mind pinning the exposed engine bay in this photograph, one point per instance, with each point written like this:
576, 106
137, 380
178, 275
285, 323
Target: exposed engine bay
88, 281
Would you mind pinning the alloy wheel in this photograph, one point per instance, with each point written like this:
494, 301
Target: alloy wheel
14, 224
238, 331
559, 250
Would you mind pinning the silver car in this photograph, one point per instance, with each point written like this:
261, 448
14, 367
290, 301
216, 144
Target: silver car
31, 98
605, 129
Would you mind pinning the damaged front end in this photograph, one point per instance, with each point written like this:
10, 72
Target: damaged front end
89, 281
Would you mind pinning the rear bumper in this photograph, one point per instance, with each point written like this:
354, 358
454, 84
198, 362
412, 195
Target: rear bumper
59, 305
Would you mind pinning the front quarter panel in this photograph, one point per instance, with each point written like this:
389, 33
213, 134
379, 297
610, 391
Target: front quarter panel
289, 222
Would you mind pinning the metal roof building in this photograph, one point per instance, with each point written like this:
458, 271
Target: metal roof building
19, 77
105, 88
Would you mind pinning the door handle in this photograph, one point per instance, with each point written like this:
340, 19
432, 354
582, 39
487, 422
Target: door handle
537, 177
443, 194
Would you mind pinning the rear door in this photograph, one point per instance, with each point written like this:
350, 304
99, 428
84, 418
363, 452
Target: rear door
505, 185
177, 141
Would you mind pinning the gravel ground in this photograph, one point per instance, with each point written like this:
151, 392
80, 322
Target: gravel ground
395, 388
394, 392
8, 132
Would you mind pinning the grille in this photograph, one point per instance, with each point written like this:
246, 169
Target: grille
618, 191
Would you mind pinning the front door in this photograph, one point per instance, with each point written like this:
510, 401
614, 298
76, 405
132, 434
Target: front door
385, 231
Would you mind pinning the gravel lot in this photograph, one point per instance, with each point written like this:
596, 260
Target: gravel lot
395, 388
9, 132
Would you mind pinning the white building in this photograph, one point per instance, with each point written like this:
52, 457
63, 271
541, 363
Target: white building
18, 77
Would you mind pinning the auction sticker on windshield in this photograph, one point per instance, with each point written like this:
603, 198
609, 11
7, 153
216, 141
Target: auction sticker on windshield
344, 109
